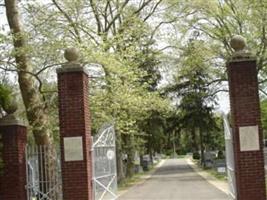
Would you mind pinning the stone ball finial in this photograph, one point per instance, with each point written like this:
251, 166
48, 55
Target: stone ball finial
238, 43
72, 54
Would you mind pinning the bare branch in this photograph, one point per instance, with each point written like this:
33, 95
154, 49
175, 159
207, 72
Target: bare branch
117, 15
153, 10
216, 81
145, 3
112, 16
47, 67
85, 30
263, 92
159, 25
218, 91
167, 47
69, 19
97, 18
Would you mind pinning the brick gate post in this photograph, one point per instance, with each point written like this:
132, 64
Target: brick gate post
13, 135
246, 123
75, 135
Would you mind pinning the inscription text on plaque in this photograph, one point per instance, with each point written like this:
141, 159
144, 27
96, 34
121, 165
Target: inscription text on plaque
73, 148
249, 138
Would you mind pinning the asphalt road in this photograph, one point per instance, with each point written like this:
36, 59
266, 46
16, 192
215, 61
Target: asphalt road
174, 180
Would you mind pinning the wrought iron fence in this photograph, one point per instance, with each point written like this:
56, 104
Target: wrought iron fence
230, 162
104, 169
43, 173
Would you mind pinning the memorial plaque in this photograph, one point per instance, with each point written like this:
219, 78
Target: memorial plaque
249, 138
73, 148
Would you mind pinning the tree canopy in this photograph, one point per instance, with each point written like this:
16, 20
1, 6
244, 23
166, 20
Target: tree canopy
156, 66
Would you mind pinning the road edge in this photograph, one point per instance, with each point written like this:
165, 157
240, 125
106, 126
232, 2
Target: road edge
219, 184
143, 178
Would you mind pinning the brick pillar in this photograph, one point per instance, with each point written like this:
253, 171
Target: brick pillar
75, 136
247, 131
13, 174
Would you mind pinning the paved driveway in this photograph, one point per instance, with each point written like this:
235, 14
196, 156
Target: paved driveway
174, 180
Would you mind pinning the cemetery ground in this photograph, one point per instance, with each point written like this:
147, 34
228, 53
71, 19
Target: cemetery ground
177, 179
138, 178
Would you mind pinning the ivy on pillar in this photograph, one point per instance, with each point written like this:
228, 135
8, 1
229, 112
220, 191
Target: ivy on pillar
246, 123
13, 172
75, 135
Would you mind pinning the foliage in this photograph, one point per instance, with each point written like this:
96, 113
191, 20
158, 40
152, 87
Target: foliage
196, 156
5, 96
264, 116
214, 138
220, 155
196, 97
123, 46
217, 21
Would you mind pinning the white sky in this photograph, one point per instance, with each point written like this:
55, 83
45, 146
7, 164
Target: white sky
224, 104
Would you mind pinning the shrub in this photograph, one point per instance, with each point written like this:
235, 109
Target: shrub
196, 156
220, 155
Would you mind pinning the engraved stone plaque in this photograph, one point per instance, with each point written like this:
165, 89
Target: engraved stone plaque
249, 138
73, 148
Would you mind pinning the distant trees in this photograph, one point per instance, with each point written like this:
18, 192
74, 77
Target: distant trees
195, 96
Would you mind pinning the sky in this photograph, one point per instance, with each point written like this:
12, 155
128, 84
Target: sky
224, 103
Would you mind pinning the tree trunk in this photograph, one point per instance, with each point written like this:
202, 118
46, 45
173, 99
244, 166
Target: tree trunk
119, 159
194, 140
174, 145
34, 105
130, 164
150, 148
130, 156
178, 141
202, 149
33, 102
168, 146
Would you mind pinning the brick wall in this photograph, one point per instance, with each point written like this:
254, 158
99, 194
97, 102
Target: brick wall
245, 110
13, 178
75, 121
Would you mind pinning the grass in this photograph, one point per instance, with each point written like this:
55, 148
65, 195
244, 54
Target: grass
128, 182
217, 175
212, 172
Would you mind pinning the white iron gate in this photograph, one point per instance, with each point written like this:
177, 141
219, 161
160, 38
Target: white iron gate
230, 161
43, 173
104, 169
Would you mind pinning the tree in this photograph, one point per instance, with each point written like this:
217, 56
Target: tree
104, 31
196, 97
217, 21
5, 106
264, 116
36, 112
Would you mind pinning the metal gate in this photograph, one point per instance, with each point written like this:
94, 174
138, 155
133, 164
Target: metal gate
230, 161
43, 173
104, 161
